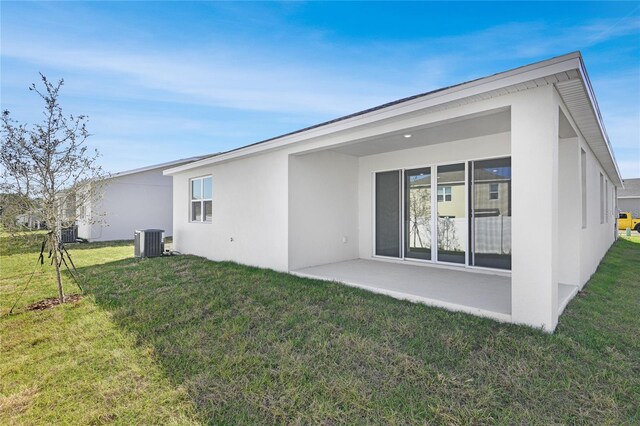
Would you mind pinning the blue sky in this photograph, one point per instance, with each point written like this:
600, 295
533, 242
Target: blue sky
169, 80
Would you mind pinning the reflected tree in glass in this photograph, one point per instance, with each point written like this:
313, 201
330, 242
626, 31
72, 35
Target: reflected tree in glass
451, 213
447, 238
418, 213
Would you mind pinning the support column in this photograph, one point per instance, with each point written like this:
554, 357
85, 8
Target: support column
534, 159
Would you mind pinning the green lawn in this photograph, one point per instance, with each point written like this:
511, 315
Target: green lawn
186, 340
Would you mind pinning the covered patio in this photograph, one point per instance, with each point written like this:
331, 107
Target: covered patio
477, 292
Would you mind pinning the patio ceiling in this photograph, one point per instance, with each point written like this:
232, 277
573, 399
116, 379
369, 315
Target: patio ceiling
459, 128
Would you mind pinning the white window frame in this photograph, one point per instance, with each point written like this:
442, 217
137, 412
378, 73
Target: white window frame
444, 194
202, 200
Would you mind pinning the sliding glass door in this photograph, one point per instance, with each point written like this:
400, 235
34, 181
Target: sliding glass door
417, 213
467, 221
451, 211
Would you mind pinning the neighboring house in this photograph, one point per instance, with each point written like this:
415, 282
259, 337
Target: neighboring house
629, 197
134, 199
30, 220
516, 167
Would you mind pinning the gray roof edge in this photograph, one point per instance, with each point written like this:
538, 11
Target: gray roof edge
163, 166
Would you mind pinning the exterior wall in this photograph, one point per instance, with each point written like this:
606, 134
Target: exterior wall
250, 212
592, 242
497, 145
596, 237
136, 201
569, 211
547, 198
323, 208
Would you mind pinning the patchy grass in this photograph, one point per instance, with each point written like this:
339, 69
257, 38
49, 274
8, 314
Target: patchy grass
73, 364
184, 339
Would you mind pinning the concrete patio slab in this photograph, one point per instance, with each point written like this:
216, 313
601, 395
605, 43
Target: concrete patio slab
479, 293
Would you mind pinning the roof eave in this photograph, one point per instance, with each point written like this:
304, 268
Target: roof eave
603, 130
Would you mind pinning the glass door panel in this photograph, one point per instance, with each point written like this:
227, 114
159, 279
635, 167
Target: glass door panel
491, 213
387, 208
417, 213
451, 205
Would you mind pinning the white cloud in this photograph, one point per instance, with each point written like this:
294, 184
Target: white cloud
215, 78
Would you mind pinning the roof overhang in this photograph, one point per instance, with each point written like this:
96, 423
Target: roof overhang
581, 102
566, 72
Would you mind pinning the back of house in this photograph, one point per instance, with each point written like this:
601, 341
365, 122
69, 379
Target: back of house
464, 197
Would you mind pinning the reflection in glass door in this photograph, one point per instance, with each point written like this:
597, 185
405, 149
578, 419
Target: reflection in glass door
406, 208
417, 213
452, 222
491, 213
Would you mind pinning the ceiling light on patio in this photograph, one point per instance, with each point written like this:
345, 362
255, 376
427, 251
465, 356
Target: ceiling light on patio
408, 135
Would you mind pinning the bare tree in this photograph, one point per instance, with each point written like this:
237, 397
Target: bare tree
47, 170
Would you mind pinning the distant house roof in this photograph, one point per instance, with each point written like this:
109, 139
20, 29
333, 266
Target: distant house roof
567, 72
631, 188
162, 166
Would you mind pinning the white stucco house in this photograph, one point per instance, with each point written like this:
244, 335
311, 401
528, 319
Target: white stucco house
134, 199
493, 197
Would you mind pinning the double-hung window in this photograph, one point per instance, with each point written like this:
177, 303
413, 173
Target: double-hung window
201, 200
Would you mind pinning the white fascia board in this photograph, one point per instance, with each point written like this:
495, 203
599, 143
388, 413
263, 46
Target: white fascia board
512, 77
